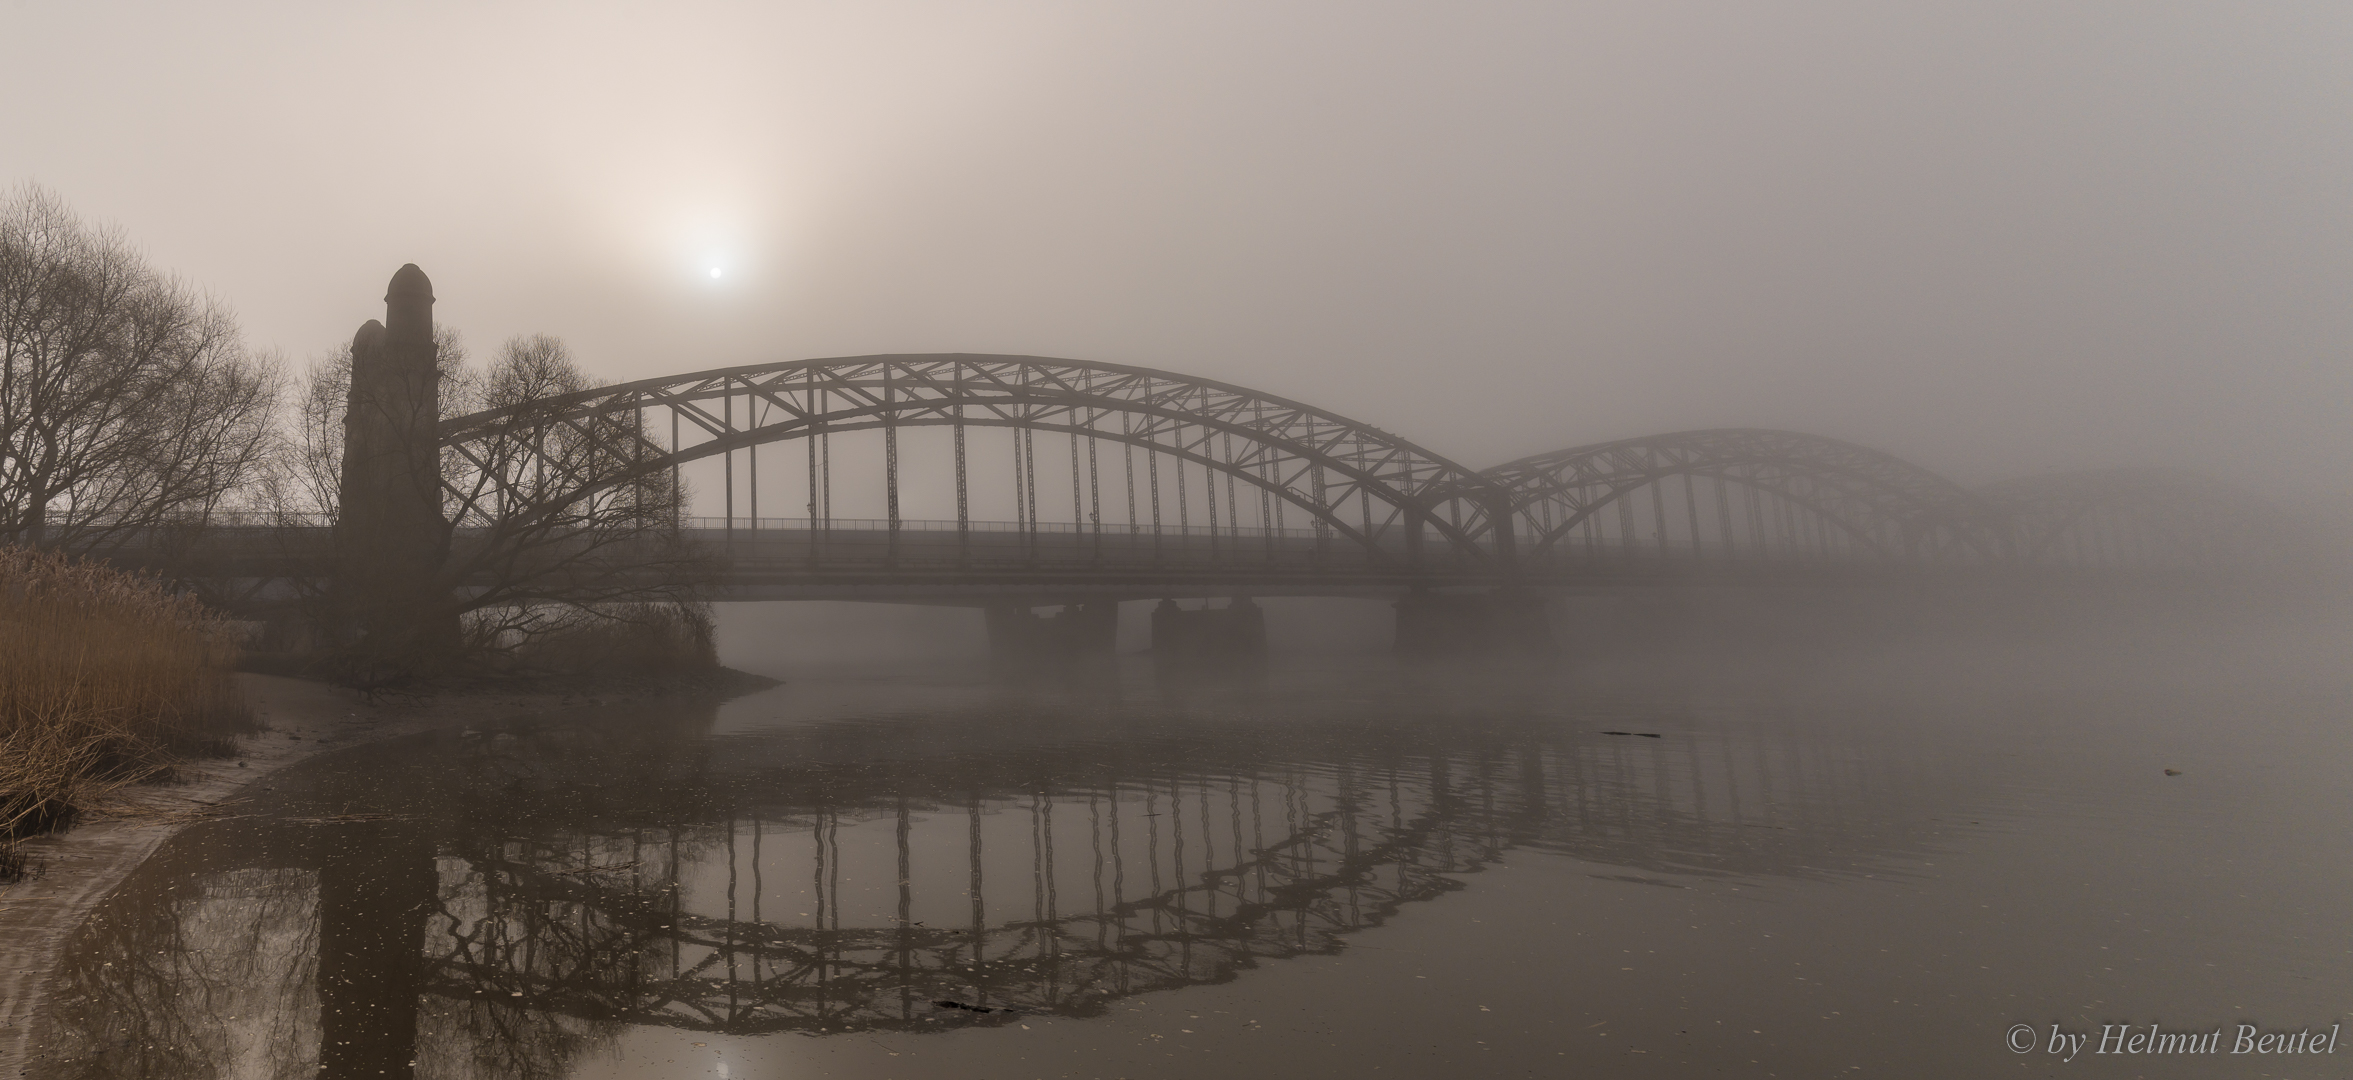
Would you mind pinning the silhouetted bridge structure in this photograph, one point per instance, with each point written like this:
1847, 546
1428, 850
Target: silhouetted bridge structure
1170, 479
1050, 481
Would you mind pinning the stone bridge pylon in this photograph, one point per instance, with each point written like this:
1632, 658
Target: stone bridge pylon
390, 537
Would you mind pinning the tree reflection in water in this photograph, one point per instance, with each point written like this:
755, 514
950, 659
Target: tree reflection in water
498, 904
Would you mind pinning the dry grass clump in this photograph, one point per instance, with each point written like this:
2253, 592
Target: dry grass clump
106, 679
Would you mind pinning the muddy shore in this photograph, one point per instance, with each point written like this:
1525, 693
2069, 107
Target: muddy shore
68, 873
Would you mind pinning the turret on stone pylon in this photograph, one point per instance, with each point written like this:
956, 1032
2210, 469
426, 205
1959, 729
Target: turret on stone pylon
390, 535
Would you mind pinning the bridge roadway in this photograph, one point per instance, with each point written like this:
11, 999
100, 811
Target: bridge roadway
993, 563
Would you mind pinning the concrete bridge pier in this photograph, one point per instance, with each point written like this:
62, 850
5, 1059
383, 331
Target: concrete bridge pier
1023, 642
1207, 637
1499, 622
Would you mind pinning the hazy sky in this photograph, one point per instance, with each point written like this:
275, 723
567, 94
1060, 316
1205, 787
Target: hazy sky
1991, 237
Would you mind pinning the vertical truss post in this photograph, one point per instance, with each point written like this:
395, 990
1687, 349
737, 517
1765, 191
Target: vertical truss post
1020, 520
727, 463
1152, 474
825, 474
1209, 450
890, 462
1323, 528
1184, 513
1233, 515
1029, 485
809, 409
1691, 515
1127, 450
1415, 517
963, 506
1094, 488
1266, 507
1658, 512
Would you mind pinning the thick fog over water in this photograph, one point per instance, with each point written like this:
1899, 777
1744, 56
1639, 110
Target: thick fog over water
1993, 238
1745, 751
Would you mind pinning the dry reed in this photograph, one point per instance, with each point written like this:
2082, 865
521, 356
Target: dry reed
106, 679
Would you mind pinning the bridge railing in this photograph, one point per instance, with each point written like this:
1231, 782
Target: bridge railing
744, 525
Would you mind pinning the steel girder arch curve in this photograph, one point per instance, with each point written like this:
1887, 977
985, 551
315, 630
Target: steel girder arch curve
1884, 505
1315, 460
2142, 518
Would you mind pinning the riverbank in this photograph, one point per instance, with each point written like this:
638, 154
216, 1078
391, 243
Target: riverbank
69, 872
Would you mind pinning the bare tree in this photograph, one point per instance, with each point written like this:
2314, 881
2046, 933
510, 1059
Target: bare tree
554, 529
305, 474
127, 400
555, 521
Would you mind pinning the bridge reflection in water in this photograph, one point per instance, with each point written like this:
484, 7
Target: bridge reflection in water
495, 904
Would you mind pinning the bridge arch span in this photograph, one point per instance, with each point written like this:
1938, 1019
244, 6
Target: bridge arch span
1766, 494
1357, 483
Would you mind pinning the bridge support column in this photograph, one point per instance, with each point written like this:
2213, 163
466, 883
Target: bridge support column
1024, 642
1208, 637
389, 534
1502, 622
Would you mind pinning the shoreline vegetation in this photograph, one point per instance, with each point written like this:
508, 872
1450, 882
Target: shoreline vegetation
110, 679
107, 679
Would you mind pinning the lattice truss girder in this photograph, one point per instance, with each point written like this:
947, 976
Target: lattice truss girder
1881, 503
1356, 481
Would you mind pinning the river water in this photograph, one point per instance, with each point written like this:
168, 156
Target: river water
1342, 867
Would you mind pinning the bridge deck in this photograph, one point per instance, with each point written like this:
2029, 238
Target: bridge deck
987, 561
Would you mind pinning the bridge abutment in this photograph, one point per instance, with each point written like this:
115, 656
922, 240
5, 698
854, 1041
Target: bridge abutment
1501, 622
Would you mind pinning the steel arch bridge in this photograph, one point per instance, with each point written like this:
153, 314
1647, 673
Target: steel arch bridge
1768, 492
1352, 484
1178, 484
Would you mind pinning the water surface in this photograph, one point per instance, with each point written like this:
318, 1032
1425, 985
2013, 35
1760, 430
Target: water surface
1346, 868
